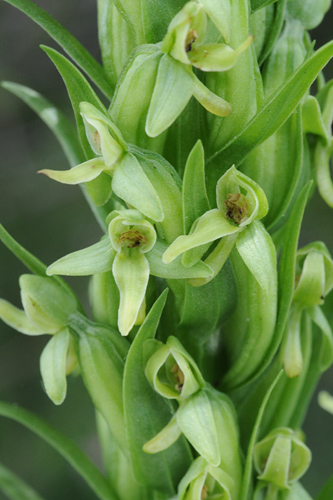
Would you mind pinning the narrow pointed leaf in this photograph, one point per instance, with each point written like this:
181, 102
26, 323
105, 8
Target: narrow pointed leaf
64, 131
146, 413
259, 4
246, 490
65, 446
53, 366
62, 128
195, 200
78, 90
67, 41
132, 185
272, 115
14, 487
97, 258
173, 89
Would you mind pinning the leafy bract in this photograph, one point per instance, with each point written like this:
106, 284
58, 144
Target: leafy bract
67, 41
146, 413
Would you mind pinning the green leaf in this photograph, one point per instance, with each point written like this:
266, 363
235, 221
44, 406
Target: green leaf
78, 90
326, 493
67, 41
326, 351
54, 119
146, 413
14, 487
286, 275
274, 30
195, 200
115, 39
270, 117
148, 21
62, 129
259, 4
254, 265
29, 260
173, 89
65, 446
245, 493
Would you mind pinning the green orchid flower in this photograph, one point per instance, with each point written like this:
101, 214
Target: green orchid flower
240, 201
314, 280
183, 48
281, 458
47, 307
131, 250
115, 168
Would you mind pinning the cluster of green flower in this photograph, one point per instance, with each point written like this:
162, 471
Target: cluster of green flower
244, 353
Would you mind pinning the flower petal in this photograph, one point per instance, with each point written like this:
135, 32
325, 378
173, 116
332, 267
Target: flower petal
97, 258
17, 319
53, 366
84, 172
208, 228
131, 274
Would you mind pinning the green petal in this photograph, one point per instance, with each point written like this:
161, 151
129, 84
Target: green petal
312, 119
175, 269
210, 101
173, 89
53, 366
322, 158
17, 319
210, 227
217, 56
84, 172
216, 259
310, 289
132, 185
131, 274
231, 182
165, 438
97, 258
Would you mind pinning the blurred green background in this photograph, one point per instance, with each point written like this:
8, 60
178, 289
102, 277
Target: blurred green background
52, 220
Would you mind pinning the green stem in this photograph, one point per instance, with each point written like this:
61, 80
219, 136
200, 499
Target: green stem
14, 487
65, 446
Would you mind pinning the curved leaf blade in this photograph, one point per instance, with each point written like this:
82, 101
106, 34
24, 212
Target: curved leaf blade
65, 446
67, 41
13, 486
146, 413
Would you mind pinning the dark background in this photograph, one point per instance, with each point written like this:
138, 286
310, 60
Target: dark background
52, 220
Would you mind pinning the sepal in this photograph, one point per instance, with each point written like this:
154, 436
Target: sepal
172, 372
